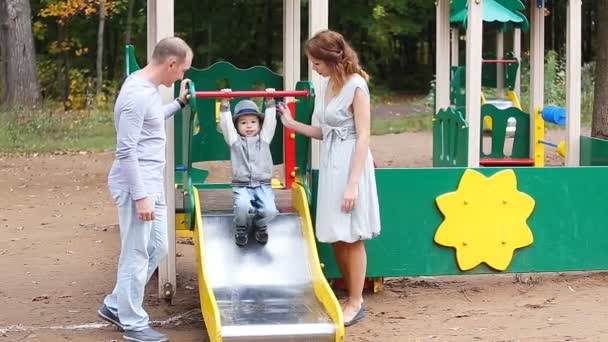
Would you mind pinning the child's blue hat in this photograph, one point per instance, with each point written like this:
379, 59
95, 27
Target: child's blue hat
246, 107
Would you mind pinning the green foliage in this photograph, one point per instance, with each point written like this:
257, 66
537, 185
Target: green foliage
51, 130
82, 85
404, 123
66, 30
393, 39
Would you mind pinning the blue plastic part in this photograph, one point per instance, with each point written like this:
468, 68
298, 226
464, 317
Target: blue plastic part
181, 168
554, 114
548, 143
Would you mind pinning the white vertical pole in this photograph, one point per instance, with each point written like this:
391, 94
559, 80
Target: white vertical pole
455, 46
500, 74
318, 13
537, 73
473, 83
442, 63
160, 25
291, 43
517, 53
573, 83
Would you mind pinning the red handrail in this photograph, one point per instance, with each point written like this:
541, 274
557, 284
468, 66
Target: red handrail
253, 93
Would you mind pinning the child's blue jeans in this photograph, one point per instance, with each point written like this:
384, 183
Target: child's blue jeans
258, 201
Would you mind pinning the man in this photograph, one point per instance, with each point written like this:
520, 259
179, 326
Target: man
136, 184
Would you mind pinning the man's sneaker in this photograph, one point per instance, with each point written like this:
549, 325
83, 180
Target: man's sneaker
146, 335
104, 313
240, 237
261, 235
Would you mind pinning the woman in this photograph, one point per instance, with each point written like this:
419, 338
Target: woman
347, 201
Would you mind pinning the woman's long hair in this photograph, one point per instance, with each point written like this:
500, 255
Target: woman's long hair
331, 48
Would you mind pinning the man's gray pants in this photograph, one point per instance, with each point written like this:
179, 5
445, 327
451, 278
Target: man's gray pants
143, 244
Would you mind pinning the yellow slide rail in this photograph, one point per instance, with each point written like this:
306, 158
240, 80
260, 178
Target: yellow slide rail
320, 285
211, 312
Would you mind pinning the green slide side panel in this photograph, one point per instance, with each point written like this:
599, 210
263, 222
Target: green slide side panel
208, 143
130, 61
500, 117
568, 222
450, 138
594, 151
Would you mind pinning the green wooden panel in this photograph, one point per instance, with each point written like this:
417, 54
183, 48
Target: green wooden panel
521, 138
568, 222
489, 71
511, 70
594, 151
130, 60
457, 87
488, 78
450, 138
208, 142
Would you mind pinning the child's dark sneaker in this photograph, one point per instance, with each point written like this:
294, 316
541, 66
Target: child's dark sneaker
261, 235
240, 237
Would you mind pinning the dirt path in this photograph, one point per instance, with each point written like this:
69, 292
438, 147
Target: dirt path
59, 245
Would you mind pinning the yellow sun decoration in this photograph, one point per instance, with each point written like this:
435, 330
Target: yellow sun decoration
485, 219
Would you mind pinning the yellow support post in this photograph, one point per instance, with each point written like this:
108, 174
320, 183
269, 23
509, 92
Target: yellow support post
539, 134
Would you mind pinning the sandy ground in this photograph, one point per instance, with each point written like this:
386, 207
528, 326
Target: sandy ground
59, 247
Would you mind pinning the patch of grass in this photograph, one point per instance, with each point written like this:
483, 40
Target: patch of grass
406, 123
49, 130
380, 94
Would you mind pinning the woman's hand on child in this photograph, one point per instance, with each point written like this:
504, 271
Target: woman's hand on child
285, 113
226, 100
350, 197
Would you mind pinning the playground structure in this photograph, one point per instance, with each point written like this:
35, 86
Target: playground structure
493, 219
502, 117
272, 292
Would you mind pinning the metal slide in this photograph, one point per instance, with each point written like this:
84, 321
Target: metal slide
275, 292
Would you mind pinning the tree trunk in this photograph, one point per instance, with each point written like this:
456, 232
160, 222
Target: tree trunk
19, 72
599, 124
129, 22
99, 64
3, 47
65, 60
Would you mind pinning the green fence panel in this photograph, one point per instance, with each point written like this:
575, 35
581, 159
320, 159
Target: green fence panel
568, 222
450, 138
594, 151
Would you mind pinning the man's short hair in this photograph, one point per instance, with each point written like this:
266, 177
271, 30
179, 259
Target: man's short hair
171, 47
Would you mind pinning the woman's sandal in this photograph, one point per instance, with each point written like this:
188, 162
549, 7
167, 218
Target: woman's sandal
358, 317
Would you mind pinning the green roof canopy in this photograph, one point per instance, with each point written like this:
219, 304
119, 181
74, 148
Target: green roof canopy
500, 11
